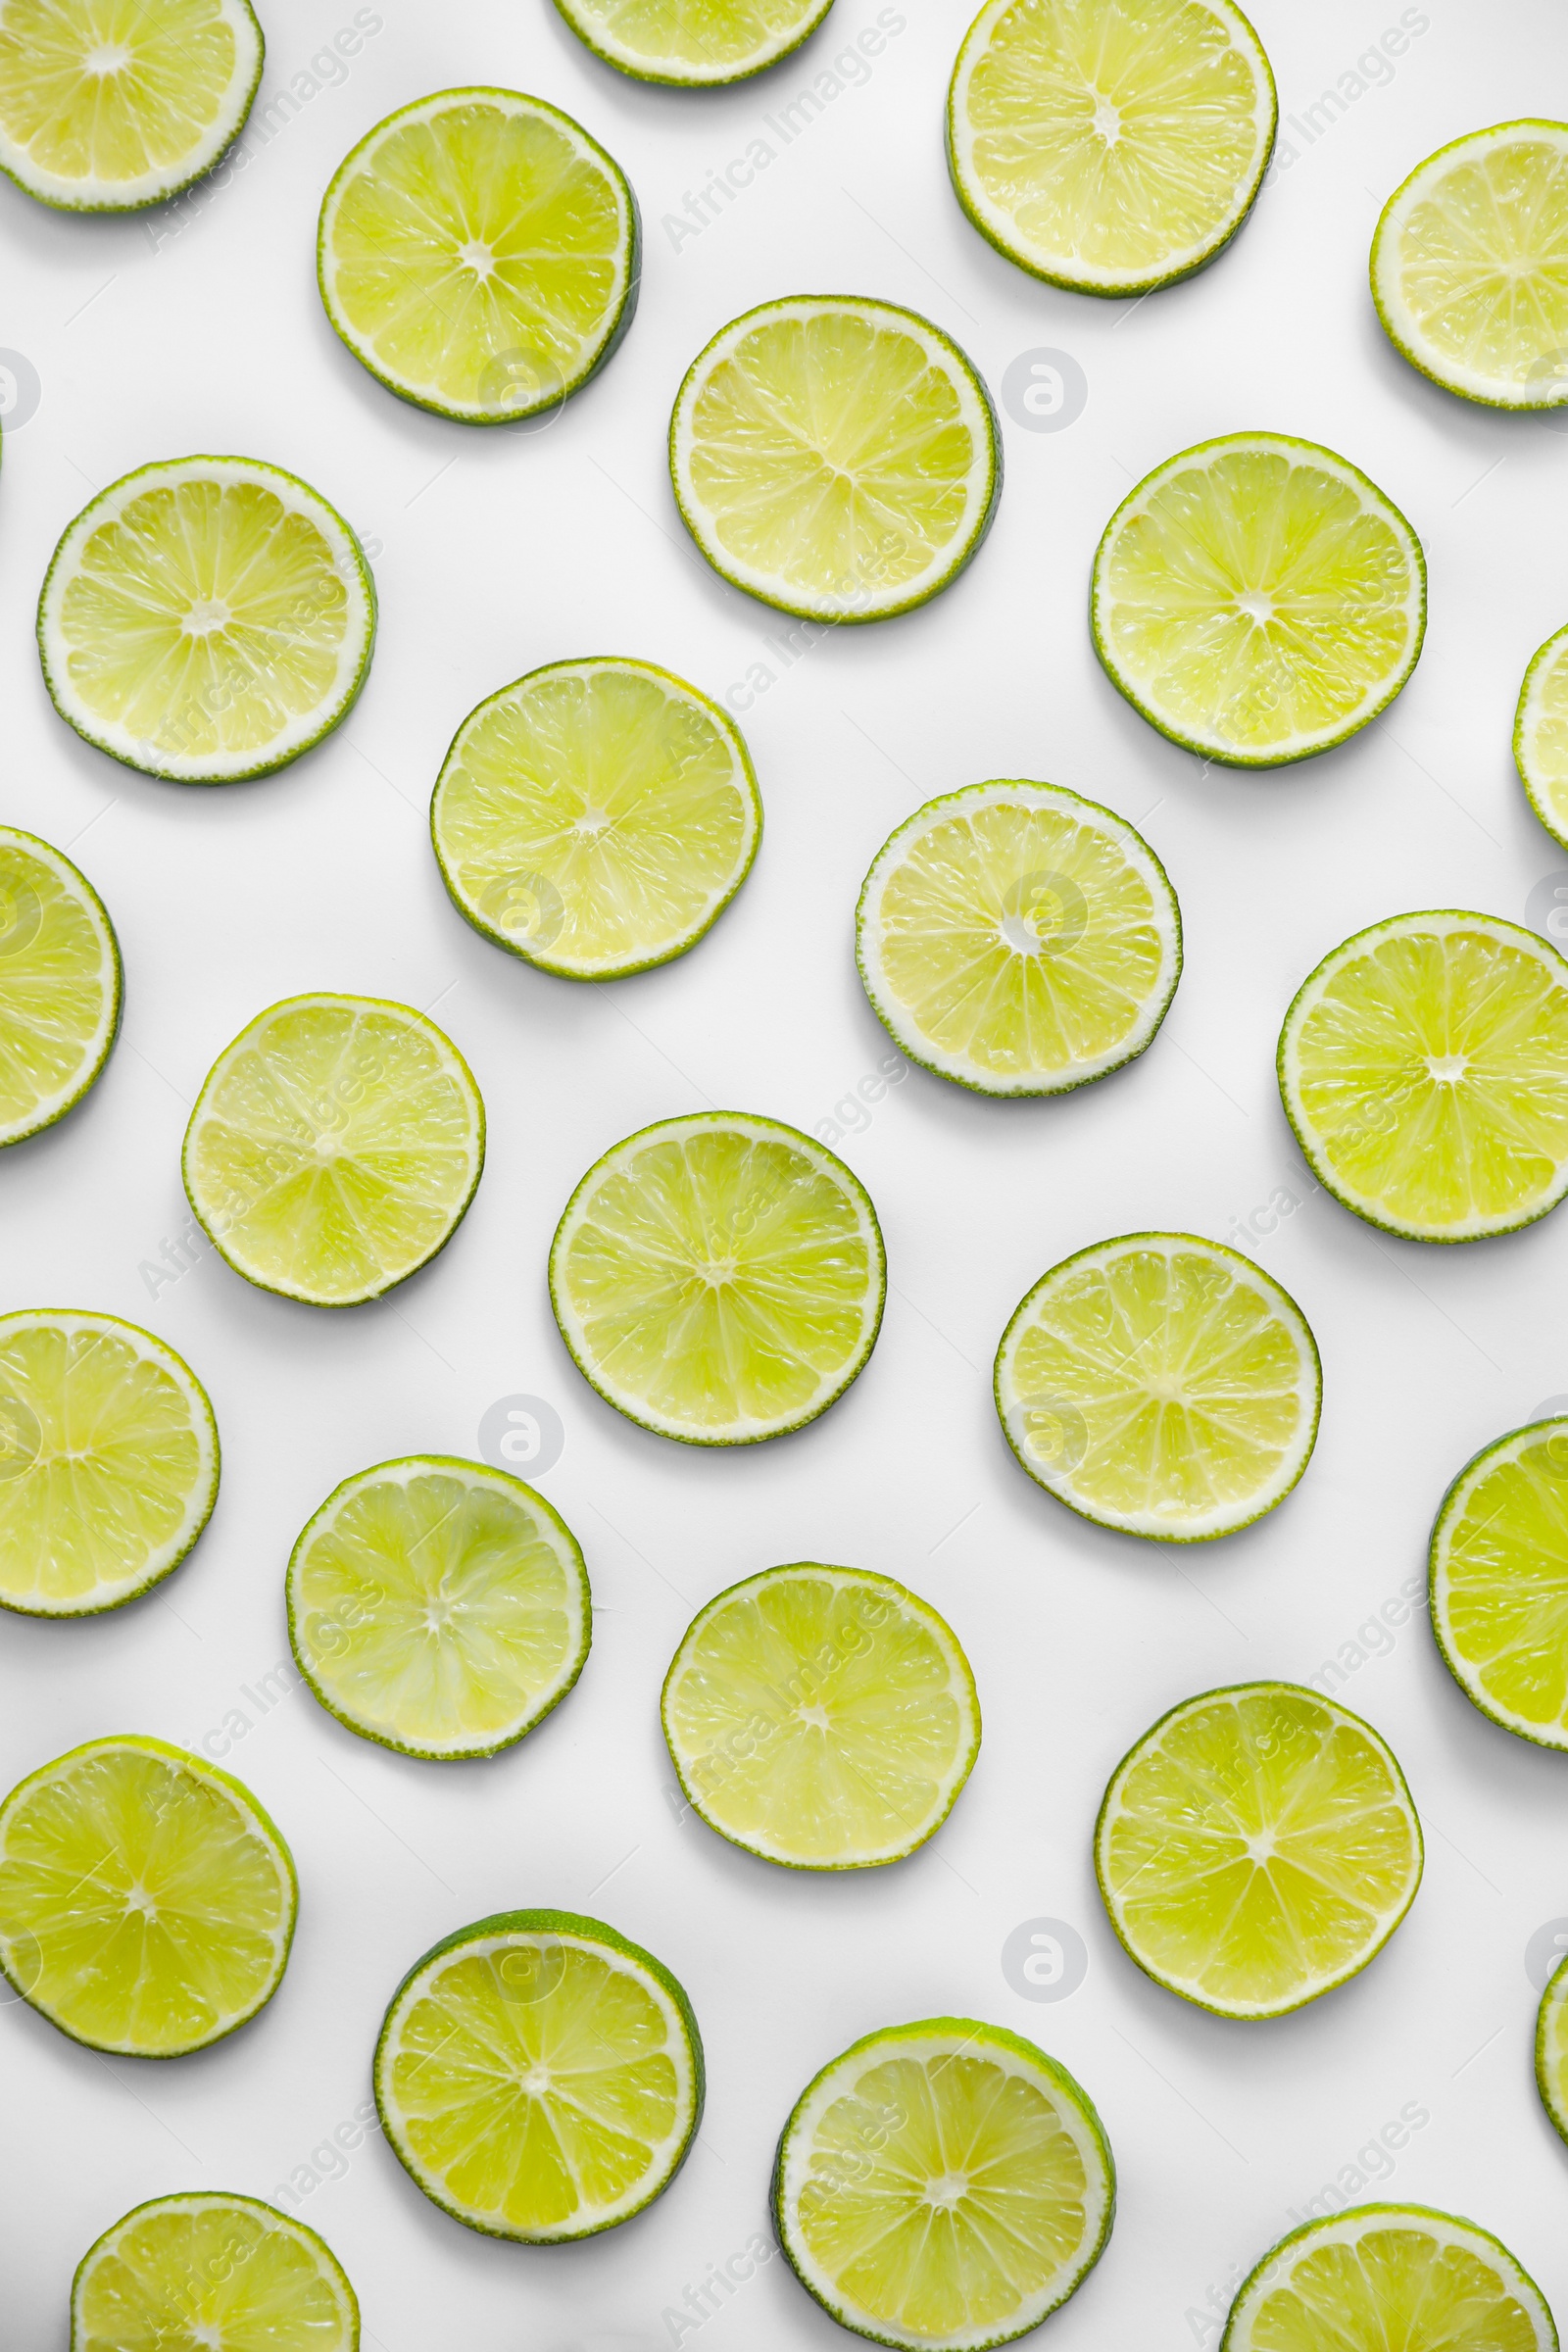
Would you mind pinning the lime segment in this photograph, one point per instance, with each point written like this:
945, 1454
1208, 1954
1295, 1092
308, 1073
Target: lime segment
216, 2270
61, 985
1499, 1582
693, 43
1552, 2048
1540, 735
1382, 2275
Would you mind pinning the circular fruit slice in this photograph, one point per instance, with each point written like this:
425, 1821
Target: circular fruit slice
1256, 1847
146, 1901
539, 2077
1541, 736
1424, 1067
1382, 2275
825, 1718
479, 253
61, 985
1499, 1582
108, 1462
1161, 1385
1018, 940
943, 2186
1552, 2048
718, 1279
1110, 153
107, 110
438, 1607
1470, 267
836, 457
206, 620
693, 43
1257, 599
212, 2269
596, 818
334, 1148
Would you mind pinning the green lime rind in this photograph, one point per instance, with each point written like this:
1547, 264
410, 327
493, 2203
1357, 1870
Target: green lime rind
97, 1048
1547, 659
1552, 2048
1345, 2227
1440, 1580
84, 2338
585, 24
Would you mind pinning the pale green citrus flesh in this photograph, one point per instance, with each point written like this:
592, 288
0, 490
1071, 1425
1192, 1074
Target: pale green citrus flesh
1552, 2048
596, 817
1500, 1582
59, 986
821, 1717
690, 41
211, 2274
1540, 735
146, 1903
1388, 2274
108, 1462
1257, 1847
1259, 600
439, 1606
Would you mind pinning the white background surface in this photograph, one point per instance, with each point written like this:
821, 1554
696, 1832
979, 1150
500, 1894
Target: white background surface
505, 549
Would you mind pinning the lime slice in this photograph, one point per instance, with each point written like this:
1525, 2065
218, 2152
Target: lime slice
1379, 2275
1499, 1582
693, 43
212, 2270
61, 985
438, 1607
836, 457
108, 1462
146, 1901
1018, 940
540, 2077
110, 108
1161, 1385
334, 1148
596, 818
1470, 267
1540, 735
206, 620
1552, 2048
479, 253
718, 1279
821, 1717
1424, 1067
943, 2186
1112, 152
1257, 1847
1259, 600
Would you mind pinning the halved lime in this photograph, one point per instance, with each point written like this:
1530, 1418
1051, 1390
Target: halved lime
596, 818
540, 2077
1424, 1067
108, 1462
206, 620
693, 43
836, 457
1470, 266
1111, 151
61, 985
334, 1148
107, 107
146, 1901
1379, 2275
479, 253
212, 2269
1540, 735
438, 1607
1256, 1847
1552, 2048
1018, 939
719, 1278
1499, 1582
1259, 599
825, 1718
1161, 1385
943, 2186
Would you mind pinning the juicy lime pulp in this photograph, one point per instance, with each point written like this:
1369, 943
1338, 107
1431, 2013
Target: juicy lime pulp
1161, 1385
206, 620
1382, 2275
334, 1148
539, 2077
146, 1901
718, 1279
1470, 267
1109, 150
692, 42
108, 1462
1552, 2048
1499, 1582
439, 1606
1424, 1067
943, 2184
61, 985
820, 1717
1257, 599
109, 107
596, 818
479, 253
212, 2269
836, 457
1018, 939
1256, 1847
1541, 736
